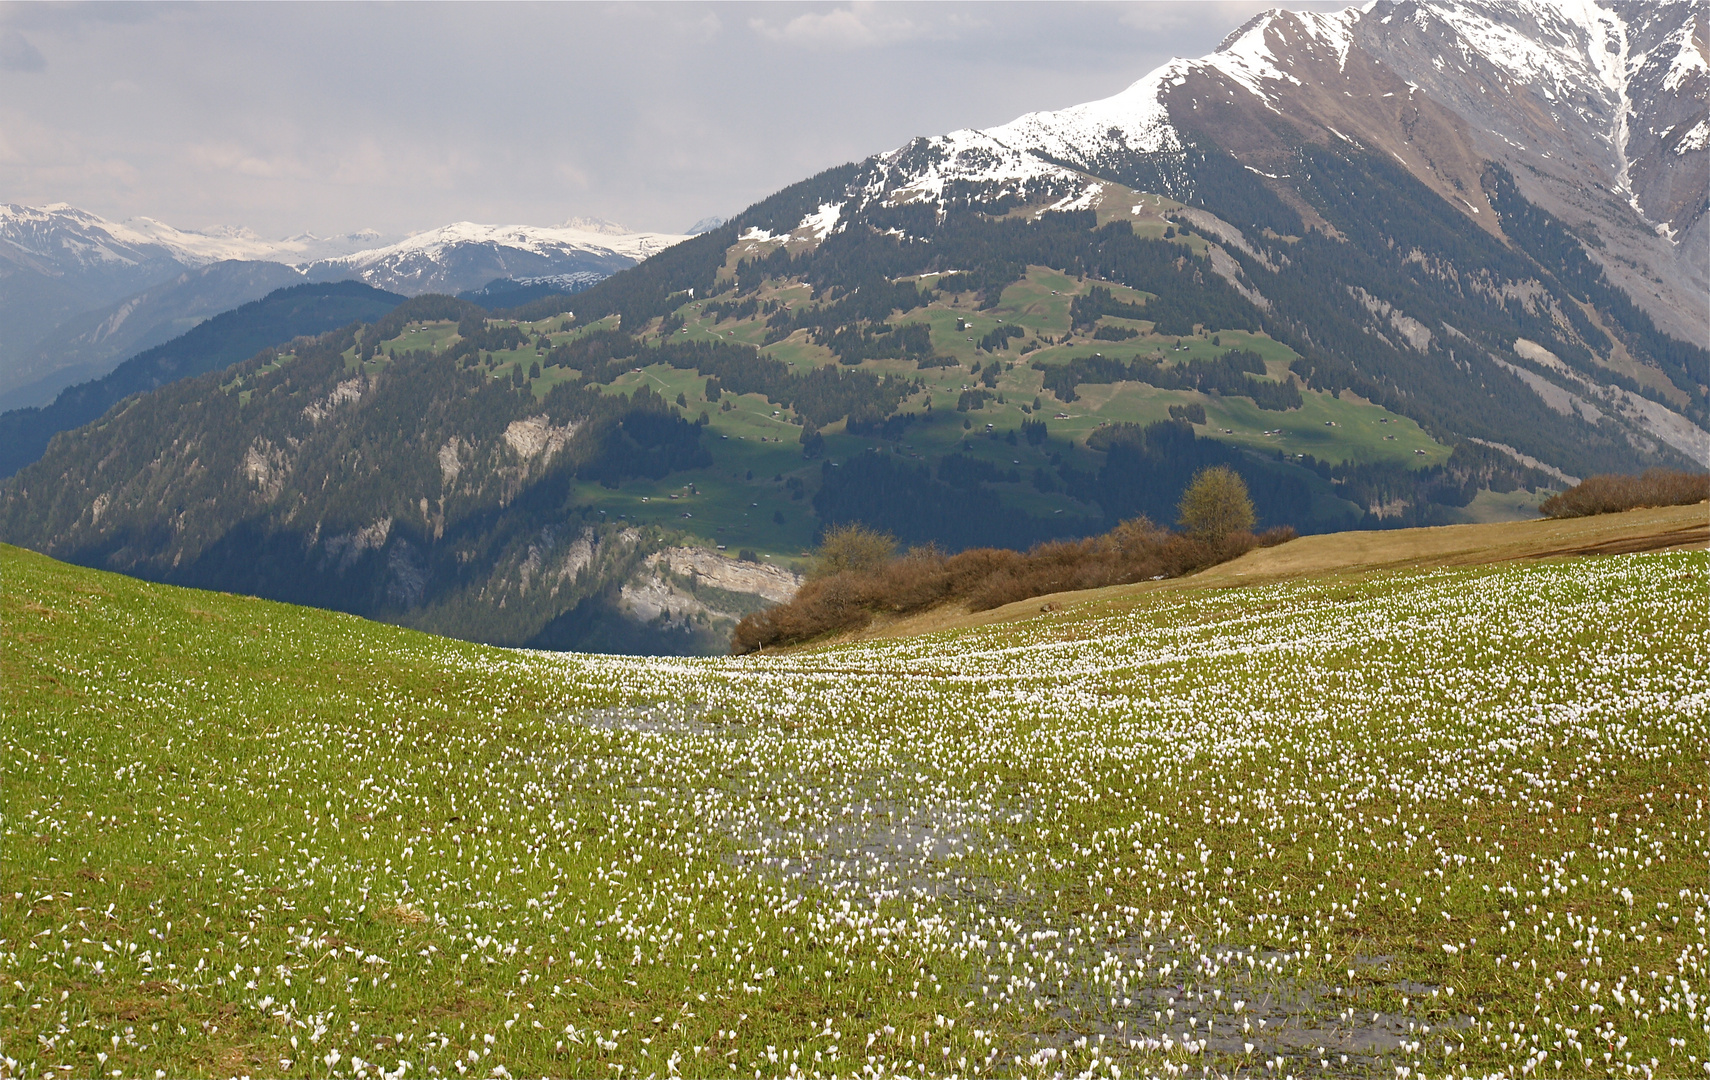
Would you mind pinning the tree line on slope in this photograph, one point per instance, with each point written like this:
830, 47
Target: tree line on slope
1399, 244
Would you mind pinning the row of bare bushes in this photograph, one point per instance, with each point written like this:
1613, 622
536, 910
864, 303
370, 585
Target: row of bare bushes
1611, 494
985, 578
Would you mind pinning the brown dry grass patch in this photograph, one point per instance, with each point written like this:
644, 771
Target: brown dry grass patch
1333, 555
402, 912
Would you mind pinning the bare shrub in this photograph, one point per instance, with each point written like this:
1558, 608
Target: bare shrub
987, 578
853, 547
1611, 494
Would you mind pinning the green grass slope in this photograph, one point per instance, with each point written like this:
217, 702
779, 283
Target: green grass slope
1441, 822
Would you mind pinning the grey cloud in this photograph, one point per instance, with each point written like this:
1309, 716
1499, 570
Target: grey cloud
856, 26
288, 118
17, 54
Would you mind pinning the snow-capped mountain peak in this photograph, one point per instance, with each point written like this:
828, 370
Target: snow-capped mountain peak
1135, 117
1259, 52
466, 255
59, 232
1598, 107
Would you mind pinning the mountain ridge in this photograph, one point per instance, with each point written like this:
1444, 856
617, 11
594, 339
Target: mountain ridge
1240, 132
1391, 45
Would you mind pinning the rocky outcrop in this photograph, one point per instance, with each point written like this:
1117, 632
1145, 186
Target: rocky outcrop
773, 584
349, 390
536, 438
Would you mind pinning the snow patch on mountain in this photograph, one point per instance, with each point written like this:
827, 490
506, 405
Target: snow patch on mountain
533, 239
1561, 47
1250, 55
823, 222
1686, 61
1696, 138
58, 231
968, 156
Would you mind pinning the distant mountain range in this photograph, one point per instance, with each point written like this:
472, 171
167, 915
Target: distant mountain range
78, 293
467, 256
1409, 263
59, 238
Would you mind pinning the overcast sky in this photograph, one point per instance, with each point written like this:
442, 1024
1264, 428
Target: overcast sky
326, 118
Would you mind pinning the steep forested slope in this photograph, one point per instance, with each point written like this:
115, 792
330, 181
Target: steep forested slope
299, 310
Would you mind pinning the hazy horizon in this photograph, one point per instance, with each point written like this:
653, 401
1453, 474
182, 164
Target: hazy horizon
286, 119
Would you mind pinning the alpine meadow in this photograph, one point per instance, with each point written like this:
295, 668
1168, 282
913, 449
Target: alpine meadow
1209, 582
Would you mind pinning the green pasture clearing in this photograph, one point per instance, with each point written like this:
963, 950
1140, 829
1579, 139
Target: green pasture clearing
1438, 822
428, 337
1328, 428
1143, 211
1040, 303
739, 512
801, 353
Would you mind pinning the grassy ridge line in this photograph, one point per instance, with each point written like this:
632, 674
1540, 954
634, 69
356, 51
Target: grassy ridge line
1351, 553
